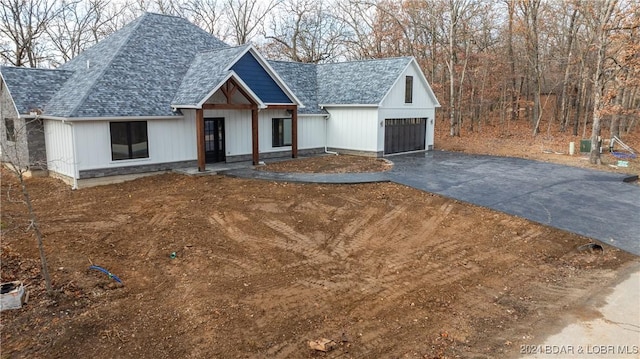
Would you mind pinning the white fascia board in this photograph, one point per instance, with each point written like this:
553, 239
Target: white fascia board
370, 105
270, 71
108, 118
9, 92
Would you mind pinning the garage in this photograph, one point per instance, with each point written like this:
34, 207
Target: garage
404, 134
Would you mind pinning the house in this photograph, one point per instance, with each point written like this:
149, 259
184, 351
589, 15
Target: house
161, 94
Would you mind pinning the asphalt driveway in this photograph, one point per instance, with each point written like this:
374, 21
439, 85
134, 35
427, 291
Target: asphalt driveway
592, 203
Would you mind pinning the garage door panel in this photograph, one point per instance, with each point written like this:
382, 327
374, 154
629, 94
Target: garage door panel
404, 134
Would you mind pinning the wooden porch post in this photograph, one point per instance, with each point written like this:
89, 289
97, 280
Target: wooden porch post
294, 132
254, 134
200, 139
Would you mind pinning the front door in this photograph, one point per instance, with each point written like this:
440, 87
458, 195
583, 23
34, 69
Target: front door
214, 139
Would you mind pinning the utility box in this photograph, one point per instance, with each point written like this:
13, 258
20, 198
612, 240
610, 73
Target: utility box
12, 295
585, 146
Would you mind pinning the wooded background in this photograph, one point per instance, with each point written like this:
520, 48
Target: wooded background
571, 65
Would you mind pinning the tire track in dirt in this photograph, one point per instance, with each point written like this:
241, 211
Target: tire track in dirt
291, 240
161, 219
382, 291
302, 291
340, 247
406, 272
371, 234
249, 262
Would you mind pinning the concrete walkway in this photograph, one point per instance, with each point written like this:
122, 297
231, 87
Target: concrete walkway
592, 203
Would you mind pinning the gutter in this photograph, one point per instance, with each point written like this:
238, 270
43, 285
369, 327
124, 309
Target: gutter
122, 118
326, 138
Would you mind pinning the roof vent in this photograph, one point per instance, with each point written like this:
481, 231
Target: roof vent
88, 63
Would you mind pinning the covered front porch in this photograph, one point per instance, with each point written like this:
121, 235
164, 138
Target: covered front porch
221, 124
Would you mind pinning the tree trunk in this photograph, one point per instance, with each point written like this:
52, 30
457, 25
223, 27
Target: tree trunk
36, 228
453, 130
614, 128
579, 100
604, 15
564, 100
512, 62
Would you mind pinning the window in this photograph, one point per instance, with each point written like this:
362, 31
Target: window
10, 129
281, 132
408, 90
129, 140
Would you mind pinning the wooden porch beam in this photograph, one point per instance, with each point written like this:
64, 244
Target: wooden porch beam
242, 91
229, 89
294, 132
294, 125
282, 107
200, 140
227, 106
254, 136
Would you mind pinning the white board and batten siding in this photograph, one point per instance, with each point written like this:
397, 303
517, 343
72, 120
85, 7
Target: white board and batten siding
59, 145
353, 128
169, 140
311, 131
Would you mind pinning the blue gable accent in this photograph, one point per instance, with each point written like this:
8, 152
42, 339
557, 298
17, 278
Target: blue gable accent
259, 81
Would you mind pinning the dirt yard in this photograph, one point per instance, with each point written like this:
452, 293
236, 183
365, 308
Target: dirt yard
262, 268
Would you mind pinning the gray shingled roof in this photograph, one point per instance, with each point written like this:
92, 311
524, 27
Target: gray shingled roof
134, 72
206, 71
303, 81
158, 61
358, 82
33, 88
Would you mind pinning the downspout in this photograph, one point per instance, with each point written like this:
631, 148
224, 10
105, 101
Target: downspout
326, 138
75, 154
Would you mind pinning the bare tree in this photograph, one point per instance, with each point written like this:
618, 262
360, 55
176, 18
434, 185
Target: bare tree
457, 15
602, 12
530, 10
566, 64
512, 60
358, 18
306, 31
78, 26
24, 22
165, 7
245, 17
208, 15
13, 145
